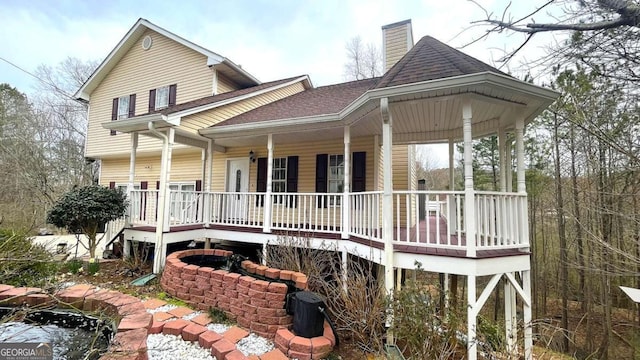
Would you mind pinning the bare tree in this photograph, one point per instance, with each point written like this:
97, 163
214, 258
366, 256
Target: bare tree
363, 60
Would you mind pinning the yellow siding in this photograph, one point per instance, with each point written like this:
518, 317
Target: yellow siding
225, 84
165, 63
211, 117
184, 167
395, 45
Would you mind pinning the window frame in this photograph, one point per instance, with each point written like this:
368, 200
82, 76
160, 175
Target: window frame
159, 91
335, 179
123, 111
282, 169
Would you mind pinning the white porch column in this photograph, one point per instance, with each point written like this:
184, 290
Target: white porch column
387, 202
510, 318
452, 167
509, 172
266, 225
207, 176
521, 185
528, 330
472, 313
162, 222
346, 206
469, 196
502, 149
126, 251
345, 270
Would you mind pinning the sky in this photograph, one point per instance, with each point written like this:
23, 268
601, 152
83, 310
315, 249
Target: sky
270, 39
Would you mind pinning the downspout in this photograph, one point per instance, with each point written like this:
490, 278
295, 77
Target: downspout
157, 258
387, 206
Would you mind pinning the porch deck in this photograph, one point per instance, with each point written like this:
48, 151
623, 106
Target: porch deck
422, 240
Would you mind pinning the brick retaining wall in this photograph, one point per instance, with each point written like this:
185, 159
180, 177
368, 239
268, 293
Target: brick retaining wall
256, 305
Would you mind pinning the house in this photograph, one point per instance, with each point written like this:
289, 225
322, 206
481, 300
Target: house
206, 150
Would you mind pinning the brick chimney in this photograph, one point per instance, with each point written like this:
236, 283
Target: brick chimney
397, 39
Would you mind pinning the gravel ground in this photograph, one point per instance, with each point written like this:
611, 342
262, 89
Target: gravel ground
171, 347
163, 308
192, 315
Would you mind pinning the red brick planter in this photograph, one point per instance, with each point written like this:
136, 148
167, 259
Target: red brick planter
256, 305
130, 316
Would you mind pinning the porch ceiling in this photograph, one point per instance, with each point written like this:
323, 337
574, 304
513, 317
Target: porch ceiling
428, 112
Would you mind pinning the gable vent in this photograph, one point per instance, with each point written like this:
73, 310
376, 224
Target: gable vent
147, 42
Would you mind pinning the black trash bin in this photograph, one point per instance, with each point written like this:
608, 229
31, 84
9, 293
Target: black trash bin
308, 320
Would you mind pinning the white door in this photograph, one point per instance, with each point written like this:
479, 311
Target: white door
236, 206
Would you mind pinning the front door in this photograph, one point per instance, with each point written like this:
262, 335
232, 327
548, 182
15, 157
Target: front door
236, 207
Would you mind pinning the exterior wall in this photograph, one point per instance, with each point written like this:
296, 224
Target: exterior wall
185, 167
139, 71
306, 162
225, 84
211, 117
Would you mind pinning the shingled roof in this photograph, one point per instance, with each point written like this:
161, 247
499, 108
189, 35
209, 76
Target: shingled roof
431, 59
209, 100
322, 100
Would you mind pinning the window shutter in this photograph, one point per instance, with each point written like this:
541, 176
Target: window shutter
114, 113
152, 100
132, 105
112, 185
157, 182
261, 180
172, 94
198, 185
157, 185
144, 185
359, 172
292, 179
322, 179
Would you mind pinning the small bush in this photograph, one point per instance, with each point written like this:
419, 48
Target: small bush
93, 266
23, 262
421, 329
74, 265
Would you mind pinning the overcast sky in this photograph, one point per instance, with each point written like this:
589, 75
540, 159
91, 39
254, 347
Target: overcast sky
271, 39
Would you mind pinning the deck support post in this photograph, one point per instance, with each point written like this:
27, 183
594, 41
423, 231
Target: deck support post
162, 222
345, 270
510, 318
346, 207
132, 177
469, 196
387, 204
528, 329
472, 314
266, 224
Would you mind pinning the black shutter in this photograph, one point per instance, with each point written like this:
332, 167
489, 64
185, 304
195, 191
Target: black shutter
261, 180
114, 113
152, 100
322, 177
172, 94
157, 185
198, 185
132, 105
292, 179
144, 185
112, 185
198, 188
359, 172
157, 188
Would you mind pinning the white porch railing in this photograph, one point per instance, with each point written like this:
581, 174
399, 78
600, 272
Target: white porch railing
421, 218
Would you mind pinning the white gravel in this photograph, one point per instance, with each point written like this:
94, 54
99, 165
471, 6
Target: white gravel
163, 308
254, 345
219, 328
192, 315
171, 347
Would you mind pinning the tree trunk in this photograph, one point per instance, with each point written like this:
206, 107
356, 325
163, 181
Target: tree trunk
577, 219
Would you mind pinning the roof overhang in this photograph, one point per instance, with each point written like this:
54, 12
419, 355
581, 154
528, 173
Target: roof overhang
225, 65
473, 87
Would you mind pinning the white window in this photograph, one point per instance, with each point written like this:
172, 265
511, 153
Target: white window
279, 178
162, 97
123, 107
134, 201
336, 177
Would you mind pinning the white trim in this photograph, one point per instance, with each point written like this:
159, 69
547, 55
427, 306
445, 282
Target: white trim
546, 96
214, 81
231, 100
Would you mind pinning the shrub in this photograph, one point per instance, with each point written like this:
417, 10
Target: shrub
93, 266
24, 263
74, 265
423, 332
